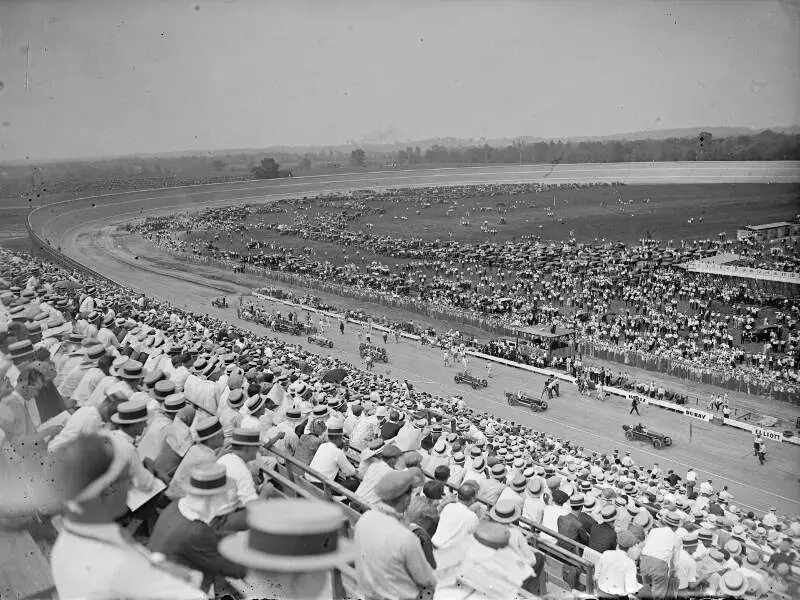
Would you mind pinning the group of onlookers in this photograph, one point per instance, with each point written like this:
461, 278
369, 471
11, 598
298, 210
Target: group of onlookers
157, 434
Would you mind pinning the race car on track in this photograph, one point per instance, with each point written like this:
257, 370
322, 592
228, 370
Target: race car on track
641, 432
219, 302
286, 326
320, 341
470, 379
523, 399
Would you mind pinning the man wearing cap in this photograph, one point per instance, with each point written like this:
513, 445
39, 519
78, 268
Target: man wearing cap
183, 532
92, 556
388, 456
391, 564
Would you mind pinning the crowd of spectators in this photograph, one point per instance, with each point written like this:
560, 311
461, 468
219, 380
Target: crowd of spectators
628, 303
151, 434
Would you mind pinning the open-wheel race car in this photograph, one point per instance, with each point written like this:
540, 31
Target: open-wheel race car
470, 379
220, 302
523, 399
377, 354
641, 432
320, 341
291, 327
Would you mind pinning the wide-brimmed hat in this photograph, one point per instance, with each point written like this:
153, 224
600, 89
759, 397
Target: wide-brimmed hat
290, 535
153, 377
130, 412
498, 471
505, 511
245, 437
208, 479
672, 519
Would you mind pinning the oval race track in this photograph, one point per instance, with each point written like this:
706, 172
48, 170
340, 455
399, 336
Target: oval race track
721, 454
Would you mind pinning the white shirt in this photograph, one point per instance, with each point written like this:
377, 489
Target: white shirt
198, 453
245, 487
329, 461
662, 543
153, 437
615, 574
533, 509
143, 479
96, 561
83, 421
685, 569
87, 385
366, 491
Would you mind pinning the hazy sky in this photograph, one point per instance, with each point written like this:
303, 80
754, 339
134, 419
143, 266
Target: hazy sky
118, 77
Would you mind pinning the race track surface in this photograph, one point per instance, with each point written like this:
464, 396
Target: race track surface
81, 229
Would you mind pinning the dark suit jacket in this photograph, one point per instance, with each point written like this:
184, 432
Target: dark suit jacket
602, 537
573, 528
390, 429
192, 544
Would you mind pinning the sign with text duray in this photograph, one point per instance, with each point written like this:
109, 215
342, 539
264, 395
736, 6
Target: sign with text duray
697, 414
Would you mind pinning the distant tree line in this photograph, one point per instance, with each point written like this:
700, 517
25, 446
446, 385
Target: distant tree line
767, 145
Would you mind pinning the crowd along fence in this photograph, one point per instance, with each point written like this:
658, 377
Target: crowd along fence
740, 382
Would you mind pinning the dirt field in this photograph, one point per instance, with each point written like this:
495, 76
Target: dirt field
624, 213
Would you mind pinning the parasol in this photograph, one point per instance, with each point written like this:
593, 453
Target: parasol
334, 376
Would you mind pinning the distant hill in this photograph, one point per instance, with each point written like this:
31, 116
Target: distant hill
424, 144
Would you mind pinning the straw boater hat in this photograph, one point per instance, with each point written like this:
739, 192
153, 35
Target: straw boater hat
130, 412
208, 480
290, 535
94, 352
733, 584
246, 437
236, 398
20, 351
208, 428
505, 511
163, 389
608, 513
174, 403
294, 414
